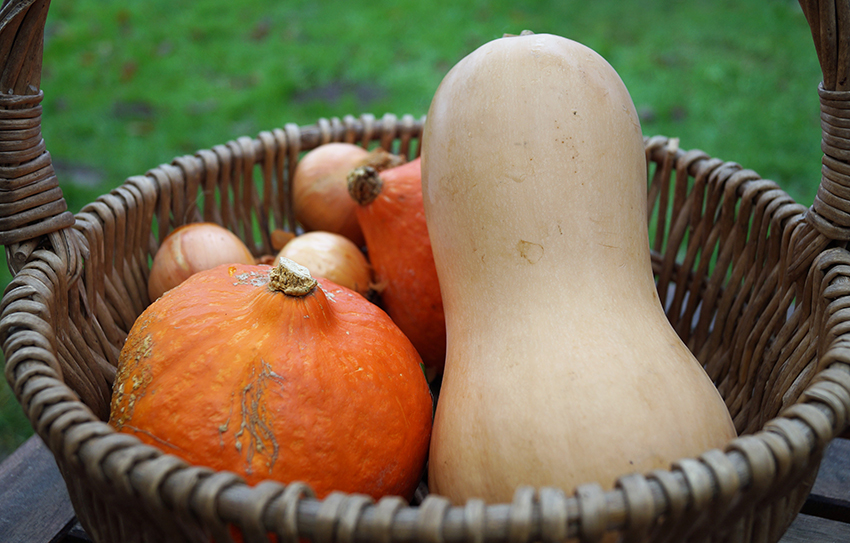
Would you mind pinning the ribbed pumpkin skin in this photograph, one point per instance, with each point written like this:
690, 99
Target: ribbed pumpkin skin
227, 373
400, 253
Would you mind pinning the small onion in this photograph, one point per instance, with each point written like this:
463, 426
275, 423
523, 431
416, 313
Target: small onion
192, 248
320, 189
331, 256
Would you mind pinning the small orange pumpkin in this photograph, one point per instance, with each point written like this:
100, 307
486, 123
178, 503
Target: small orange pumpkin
392, 217
275, 375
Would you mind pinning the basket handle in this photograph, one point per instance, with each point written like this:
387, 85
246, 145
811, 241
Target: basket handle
31, 203
828, 219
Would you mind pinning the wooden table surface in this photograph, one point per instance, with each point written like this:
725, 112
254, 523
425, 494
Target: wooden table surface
35, 508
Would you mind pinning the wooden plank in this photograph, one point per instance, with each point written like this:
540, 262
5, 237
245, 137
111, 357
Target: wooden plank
75, 535
809, 529
34, 502
830, 496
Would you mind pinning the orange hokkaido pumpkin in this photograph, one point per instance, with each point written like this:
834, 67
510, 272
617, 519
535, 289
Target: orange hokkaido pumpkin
392, 217
275, 375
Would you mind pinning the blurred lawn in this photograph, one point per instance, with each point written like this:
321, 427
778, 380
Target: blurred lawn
130, 85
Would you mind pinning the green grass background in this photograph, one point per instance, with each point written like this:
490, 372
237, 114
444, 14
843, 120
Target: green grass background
130, 85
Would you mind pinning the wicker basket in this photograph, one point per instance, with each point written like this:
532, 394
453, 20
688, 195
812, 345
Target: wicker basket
757, 285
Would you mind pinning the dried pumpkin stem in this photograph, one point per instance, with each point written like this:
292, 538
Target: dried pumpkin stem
364, 184
291, 278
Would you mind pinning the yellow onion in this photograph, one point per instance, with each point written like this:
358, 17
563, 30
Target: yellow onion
320, 187
192, 248
331, 256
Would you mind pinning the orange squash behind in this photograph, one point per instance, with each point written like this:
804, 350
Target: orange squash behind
392, 217
315, 384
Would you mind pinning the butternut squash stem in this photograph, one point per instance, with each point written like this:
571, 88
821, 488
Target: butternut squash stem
364, 184
523, 33
291, 278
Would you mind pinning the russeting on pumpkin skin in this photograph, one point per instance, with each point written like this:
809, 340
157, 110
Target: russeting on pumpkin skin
561, 366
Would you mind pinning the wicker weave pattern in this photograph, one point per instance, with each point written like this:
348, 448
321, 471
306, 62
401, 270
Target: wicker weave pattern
757, 285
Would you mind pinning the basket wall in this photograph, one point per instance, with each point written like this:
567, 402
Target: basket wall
719, 250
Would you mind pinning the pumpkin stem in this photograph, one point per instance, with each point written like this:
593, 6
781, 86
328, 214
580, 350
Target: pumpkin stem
291, 278
364, 184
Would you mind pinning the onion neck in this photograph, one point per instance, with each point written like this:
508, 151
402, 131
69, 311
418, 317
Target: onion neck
291, 278
381, 160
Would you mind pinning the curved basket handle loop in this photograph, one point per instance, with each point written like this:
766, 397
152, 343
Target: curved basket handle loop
828, 219
826, 18
31, 202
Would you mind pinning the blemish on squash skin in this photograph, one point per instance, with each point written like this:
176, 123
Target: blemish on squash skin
530, 251
255, 425
403, 414
158, 439
328, 294
222, 429
135, 376
257, 279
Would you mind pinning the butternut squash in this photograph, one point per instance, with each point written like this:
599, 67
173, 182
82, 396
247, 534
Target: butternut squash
561, 365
